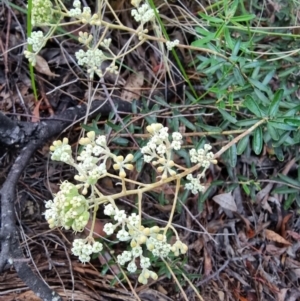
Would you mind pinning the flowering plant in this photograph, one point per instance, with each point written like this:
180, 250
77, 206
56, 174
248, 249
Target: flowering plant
51, 15
72, 206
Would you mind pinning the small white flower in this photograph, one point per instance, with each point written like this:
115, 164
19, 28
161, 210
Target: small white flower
97, 247
145, 262
101, 140
143, 13
176, 145
109, 210
120, 216
176, 136
161, 149
131, 267
163, 133
123, 235
170, 45
127, 256
84, 258
109, 228
137, 251
37, 40
133, 219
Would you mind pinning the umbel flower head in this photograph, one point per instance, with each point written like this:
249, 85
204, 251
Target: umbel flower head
69, 209
41, 12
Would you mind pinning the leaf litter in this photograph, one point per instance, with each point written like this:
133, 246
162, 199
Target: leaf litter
255, 251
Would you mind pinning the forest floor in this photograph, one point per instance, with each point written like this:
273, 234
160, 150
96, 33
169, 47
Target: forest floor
231, 81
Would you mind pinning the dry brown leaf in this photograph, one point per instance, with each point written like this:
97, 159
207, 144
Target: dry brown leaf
43, 67
207, 262
293, 234
36, 112
163, 208
284, 224
226, 201
271, 235
132, 88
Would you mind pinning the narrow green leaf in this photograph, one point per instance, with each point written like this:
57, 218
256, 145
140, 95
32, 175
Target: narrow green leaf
257, 141
252, 106
262, 97
210, 128
227, 116
258, 84
281, 126
120, 141
211, 19
290, 200
232, 156
238, 77
187, 123
236, 48
242, 145
246, 189
243, 18
282, 139
273, 132
228, 38
289, 180
273, 109
246, 122
292, 121
279, 153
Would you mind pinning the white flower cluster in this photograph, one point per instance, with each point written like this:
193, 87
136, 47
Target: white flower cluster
84, 249
85, 15
171, 44
68, 209
203, 156
61, 151
159, 147
76, 11
91, 165
37, 40
132, 230
92, 60
41, 12
85, 38
143, 14
194, 184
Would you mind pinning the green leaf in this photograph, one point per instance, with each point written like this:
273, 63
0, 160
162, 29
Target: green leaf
247, 122
258, 85
232, 155
238, 77
209, 128
289, 180
246, 189
282, 139
243, 18
273, 132
278, 153
288, 203
211, 19
252, 106
227, 116
257, 141
273, 109
120, 141
293, 121
281, 125
187, 123
242, 145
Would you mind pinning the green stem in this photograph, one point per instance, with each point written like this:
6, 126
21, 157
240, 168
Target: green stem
29, 30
